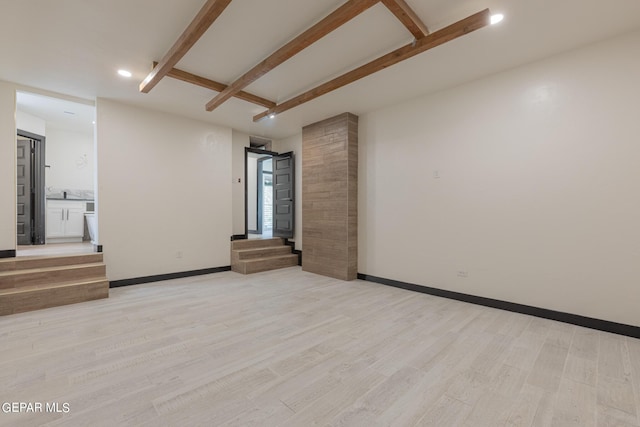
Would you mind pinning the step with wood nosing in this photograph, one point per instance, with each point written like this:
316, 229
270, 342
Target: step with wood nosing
265, 264
256, 243
51, 275
31, 298
23, 289
245, 254
31, 262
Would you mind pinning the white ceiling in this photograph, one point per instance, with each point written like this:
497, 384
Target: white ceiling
74, 47
58, 113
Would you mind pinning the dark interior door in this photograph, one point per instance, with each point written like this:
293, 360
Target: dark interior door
283, 195
23, 168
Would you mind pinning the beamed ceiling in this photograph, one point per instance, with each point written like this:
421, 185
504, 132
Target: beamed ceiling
304, 60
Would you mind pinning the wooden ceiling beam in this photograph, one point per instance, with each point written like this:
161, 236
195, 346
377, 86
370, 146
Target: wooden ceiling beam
211, 10
217, 86
453, 31
408, 17
335, 19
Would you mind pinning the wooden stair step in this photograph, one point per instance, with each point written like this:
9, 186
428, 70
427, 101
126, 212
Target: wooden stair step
262, 252
35, 297
51, 275
265, 264
31, 288
31, 262
256, 243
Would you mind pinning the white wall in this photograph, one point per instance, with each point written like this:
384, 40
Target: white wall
294, 143
71, 157
7, 166
240, 141
164, 191
30, 123
537, 188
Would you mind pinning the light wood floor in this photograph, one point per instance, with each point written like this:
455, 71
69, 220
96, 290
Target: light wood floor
288, 348
55, 249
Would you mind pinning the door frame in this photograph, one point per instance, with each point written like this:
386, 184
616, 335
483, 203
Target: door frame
38, 202
248, 150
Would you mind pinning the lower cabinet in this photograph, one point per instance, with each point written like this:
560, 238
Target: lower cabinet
65, 221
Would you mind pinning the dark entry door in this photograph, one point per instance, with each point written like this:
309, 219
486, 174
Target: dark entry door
283, 195
23, 167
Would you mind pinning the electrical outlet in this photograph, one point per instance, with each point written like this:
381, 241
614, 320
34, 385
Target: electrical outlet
463, 273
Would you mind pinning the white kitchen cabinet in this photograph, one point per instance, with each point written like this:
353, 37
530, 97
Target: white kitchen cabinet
65, 221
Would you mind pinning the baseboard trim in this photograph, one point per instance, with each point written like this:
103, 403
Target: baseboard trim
161, 277
10, 253
574, 319
292, 244
299, 253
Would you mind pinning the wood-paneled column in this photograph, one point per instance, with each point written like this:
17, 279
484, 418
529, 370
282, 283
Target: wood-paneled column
330, 197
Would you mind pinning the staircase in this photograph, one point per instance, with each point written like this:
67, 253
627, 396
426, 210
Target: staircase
255, 255
33, 283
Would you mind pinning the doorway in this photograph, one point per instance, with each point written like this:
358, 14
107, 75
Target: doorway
30, 200
56, 201
265, 196
259, 190
269, 194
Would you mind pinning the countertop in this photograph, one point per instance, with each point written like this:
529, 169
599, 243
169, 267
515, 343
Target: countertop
71, 199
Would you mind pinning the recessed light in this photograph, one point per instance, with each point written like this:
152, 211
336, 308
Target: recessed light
272, 115
124, 73
498, 17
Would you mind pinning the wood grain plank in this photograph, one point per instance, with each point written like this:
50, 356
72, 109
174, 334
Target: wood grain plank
437, 38
217, 86
335, 19
408, 17
608, 417
547, 370
293, 348
618, 395
446, 412
611, 358
207, 15
575, 405
492, 409
367, 410
532, 406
